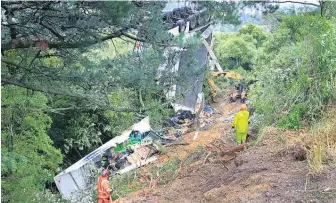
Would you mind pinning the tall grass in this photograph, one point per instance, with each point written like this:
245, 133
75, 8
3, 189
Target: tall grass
151, 175
322, 141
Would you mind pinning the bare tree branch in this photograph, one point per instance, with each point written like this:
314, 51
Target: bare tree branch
132, 37
35, 57
298, 2
280, 2
115, 48
128, 41
82, 108
51, 29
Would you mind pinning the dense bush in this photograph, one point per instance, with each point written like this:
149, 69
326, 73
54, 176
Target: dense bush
239, 49
296, 72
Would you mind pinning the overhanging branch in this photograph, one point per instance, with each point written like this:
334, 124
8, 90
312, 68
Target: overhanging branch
298, 2
52, 30
64, 93
132, 37
33, 87
64, 109
280, 2
100, 107
21, 44
16, 65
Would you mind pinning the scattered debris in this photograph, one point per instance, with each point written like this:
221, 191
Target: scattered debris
229, 119
178, 143
206, 157
217, 147
209, 109
196, 135
205, 116
140, 153
234, 149
185, 122
178, 125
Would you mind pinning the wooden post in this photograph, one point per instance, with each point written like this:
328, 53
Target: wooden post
212, 55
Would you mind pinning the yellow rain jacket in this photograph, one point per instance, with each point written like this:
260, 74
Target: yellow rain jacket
240, 121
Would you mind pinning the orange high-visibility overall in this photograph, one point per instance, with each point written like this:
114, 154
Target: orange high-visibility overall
103, 194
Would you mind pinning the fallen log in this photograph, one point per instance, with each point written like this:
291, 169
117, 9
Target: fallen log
174, 144
199, 162
234, 149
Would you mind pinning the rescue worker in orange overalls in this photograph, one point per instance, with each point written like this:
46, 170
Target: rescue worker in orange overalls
104, 192
243, 97
232, 95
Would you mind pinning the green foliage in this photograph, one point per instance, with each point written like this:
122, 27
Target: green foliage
29, 158
167, 172
78, 132
294, 118
257, 33
296, 72
125, 183
224, 12
330, 9
111, 49
235, 50
139, 179
158, 145
240, 49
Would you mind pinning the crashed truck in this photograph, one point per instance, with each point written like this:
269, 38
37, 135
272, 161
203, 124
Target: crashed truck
77, 182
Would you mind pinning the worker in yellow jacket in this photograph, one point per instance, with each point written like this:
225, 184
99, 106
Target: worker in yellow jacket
240, 122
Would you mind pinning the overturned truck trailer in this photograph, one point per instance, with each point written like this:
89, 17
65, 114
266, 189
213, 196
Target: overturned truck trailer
189, 95
76, 182
189, 21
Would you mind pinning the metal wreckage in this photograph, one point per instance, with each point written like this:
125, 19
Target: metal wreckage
136, 146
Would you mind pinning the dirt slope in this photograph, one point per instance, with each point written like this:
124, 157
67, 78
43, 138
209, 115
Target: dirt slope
205, 136
264, 173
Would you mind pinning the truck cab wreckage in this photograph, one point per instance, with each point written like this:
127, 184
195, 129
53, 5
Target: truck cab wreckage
136, 146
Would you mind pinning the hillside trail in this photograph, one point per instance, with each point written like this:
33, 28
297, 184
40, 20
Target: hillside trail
267, 172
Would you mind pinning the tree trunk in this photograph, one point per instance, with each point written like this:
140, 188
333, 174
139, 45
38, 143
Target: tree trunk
140, 98
322, 7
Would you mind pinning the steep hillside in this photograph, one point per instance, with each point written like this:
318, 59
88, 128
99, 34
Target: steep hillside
274, 170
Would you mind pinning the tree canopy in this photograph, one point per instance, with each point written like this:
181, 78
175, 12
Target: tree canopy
42, 44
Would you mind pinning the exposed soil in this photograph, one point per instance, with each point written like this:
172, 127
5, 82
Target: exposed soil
268, 172
205, 135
